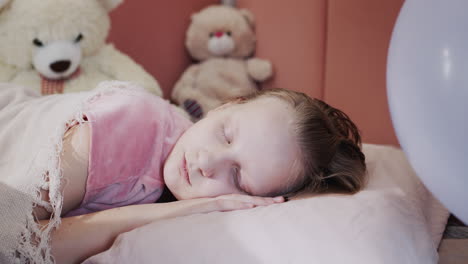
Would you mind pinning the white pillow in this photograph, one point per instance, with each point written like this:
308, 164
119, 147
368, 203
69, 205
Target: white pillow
394, 220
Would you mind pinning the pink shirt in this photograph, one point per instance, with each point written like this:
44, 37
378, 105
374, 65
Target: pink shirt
131, 137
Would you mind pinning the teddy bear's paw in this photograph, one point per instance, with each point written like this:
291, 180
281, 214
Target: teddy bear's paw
260, 70
193, 108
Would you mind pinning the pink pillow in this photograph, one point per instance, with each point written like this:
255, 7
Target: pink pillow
394, 220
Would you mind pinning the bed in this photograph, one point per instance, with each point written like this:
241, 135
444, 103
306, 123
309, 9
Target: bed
332, 50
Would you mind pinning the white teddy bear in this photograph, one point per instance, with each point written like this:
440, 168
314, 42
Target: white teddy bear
56, 46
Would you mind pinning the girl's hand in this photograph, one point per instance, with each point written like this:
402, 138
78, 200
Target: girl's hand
230, 202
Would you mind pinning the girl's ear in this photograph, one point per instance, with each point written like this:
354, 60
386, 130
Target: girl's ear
3, 3
109, 5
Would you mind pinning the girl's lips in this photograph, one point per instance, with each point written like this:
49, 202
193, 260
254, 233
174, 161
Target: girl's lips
184, 170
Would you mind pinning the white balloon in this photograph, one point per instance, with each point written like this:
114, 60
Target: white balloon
427, 86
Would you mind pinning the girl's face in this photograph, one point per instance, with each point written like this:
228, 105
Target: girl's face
238, 148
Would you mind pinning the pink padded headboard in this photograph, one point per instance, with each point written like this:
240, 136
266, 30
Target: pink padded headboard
331, 49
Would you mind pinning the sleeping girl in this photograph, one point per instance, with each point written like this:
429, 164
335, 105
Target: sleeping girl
127, 147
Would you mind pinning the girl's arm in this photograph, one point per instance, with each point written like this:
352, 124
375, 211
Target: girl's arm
74, 166
80, 237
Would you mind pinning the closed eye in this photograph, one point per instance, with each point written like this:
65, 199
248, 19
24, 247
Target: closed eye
237, 179
225, 136
236, 176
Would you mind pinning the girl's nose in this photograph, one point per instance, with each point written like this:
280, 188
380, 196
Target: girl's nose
206, 172
211, 163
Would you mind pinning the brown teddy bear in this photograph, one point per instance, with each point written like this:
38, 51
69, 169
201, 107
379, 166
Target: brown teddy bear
222, 39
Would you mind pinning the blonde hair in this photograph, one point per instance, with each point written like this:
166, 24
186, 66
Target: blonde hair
330, 145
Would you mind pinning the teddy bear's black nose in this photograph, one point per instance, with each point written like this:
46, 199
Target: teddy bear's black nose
60, 66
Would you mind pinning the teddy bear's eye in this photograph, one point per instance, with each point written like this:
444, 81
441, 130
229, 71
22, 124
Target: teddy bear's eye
211, 34
79, 38
37, 43
229, 33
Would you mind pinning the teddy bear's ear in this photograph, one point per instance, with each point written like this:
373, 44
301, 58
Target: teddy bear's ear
193, 16
249, 17
109, 5
3, 3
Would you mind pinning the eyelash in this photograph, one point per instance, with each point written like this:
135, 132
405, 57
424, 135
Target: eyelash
223, 132
235, 176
